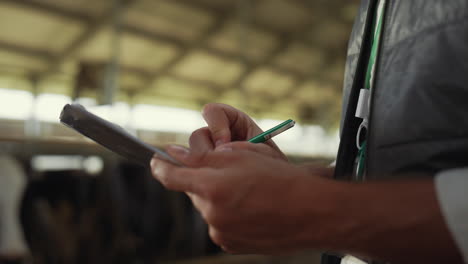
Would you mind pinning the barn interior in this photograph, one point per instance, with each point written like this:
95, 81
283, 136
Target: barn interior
150, 66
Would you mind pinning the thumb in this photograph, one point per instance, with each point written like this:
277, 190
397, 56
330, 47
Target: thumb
218, 117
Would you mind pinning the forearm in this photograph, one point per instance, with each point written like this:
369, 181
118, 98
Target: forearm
395, 221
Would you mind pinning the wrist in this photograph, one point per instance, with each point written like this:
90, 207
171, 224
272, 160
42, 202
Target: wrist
320, 211
380, 219
333, 215
373, 219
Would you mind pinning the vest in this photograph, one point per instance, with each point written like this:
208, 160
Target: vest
418, 122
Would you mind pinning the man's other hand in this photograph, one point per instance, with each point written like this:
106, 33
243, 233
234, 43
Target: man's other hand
227, 124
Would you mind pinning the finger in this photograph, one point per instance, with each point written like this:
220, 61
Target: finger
201, 141
176, 178
220, 118
200, 159
263, 149
179, 153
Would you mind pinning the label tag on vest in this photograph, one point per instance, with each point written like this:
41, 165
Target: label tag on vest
351, 260
362, 109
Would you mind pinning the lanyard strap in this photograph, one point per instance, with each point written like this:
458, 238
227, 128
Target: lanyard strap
365, 92
375, 46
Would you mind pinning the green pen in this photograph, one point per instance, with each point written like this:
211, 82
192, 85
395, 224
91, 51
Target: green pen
273, 131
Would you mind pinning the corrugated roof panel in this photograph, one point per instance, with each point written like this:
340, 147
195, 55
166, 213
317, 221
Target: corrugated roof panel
17, 82
131, 82
281, 14
234, 97
151, 98
170, 18
269, 82
143, 53
329, 34
163, 40
98, 47
315, 93
218, 3
9, 61
56, 85
282, 109
135, 51
252, 42
301, 58
173, 88
36, 30
91, 7
201, 65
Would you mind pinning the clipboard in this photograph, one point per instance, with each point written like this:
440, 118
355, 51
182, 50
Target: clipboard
111, 136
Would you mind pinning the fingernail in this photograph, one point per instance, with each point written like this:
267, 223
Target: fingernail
153, 162
157, 171
154, 166
177, 151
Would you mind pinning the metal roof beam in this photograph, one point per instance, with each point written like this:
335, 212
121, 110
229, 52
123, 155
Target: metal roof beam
268, 61
216, 10
219, 22
92, 29
15, 48
160, 37
97, 24
94, 26
145, 74
49, 9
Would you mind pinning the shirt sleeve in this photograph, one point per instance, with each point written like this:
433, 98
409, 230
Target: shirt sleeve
452, 193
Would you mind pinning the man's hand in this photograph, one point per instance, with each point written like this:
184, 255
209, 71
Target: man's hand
252, 203
227, 124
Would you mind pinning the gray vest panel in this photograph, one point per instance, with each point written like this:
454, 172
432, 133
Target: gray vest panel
419, 112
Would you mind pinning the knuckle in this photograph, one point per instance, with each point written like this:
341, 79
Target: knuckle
218, 238
197, 158
197, 134
214, 217
215, 194
165, 179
